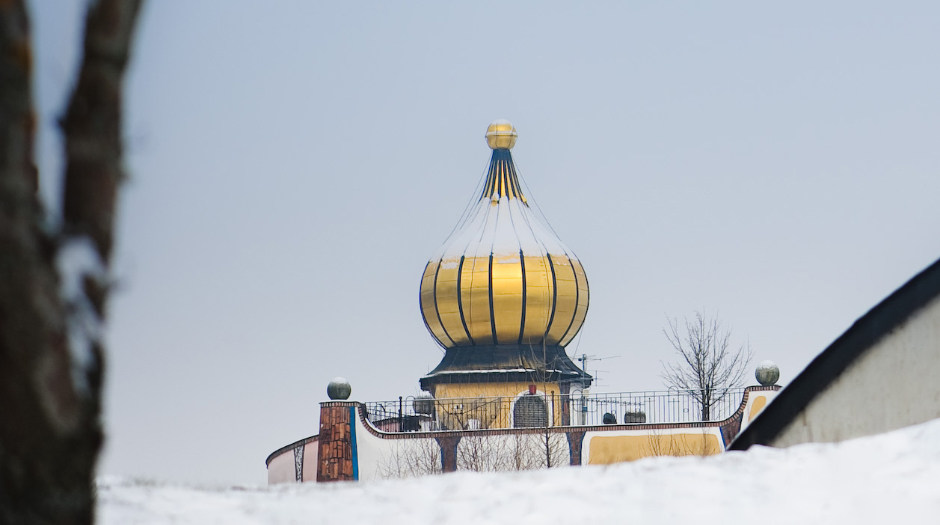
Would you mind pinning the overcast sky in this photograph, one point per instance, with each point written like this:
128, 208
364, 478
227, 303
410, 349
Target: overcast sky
293, 165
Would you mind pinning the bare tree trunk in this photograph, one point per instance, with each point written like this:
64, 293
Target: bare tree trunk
53, 285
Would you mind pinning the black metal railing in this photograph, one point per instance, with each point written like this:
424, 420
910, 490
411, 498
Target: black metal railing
422, 414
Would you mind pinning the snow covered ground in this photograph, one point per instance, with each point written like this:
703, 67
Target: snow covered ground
892, 478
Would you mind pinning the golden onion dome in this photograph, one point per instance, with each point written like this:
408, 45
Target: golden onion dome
503, 277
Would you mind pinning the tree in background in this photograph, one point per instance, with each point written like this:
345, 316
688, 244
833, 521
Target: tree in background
707, 365
54, 271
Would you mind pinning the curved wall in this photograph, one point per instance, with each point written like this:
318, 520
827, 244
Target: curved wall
381, 455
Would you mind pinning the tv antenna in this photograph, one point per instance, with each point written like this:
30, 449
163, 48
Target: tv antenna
584, 358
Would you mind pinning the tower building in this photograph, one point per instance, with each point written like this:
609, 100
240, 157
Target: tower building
503, 296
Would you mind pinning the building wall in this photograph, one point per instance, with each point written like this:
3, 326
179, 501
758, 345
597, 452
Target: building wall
604, 448
294, 463
397, 458
499, 418
388, 455
380, 455
754, 404
506, 452
311, 460
892, 385
379, 458
281, 469
508, 389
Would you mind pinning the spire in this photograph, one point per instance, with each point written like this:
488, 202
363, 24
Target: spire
503, 284
503, 277
501, 178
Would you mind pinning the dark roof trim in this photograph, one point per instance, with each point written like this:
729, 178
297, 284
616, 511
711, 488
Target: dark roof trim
880, 321
498, 363
292, 446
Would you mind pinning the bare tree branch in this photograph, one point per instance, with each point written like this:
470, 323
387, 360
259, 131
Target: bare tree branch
707, 365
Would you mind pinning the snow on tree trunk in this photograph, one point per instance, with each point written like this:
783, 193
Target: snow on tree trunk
54, 281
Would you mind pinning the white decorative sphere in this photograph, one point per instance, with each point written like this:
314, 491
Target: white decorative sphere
767, 373
339, 389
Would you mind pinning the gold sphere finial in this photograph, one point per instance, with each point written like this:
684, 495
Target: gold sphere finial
501, 135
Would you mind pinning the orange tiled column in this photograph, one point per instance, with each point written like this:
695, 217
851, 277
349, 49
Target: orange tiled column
336, 461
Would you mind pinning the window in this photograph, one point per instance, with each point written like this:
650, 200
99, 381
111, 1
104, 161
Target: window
529, 412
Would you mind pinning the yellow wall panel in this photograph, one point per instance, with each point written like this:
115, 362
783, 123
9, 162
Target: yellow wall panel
489, 403
605, 450
759, 403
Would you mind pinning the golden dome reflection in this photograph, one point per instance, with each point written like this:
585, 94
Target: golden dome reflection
501, 135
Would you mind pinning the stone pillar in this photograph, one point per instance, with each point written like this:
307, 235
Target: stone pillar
336, 461
575, 444
564, 389
448, 452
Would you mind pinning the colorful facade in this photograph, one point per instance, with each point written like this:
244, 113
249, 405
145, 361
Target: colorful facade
503, 297
351, 448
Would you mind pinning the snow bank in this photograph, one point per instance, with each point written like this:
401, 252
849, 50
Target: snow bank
892, 477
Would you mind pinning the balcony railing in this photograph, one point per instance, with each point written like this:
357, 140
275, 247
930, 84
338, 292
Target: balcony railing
423, 414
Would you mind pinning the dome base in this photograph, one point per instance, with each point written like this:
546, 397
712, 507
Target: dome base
505, 363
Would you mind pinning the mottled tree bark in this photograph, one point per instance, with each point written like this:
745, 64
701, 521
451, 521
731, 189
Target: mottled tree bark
53, 279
